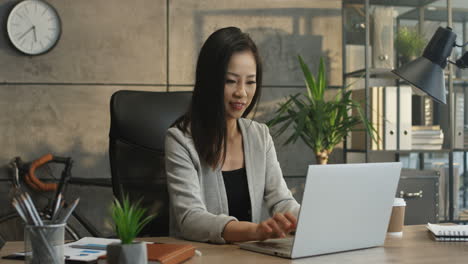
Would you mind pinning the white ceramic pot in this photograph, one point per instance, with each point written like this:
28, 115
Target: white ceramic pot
134, 253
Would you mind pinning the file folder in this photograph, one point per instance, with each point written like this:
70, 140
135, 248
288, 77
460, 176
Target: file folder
390, 118
459, 120
405, 117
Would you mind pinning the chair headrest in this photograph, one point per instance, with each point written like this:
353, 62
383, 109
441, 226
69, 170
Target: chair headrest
143, 117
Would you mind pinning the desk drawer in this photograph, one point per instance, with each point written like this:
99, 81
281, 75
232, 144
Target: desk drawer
420, 189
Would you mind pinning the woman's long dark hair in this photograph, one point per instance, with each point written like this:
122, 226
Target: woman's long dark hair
206, 115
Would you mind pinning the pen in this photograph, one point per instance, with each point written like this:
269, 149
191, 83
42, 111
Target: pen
25, 207
90, 246
30, 211
56, 207
70, 210
33, 209
19, 210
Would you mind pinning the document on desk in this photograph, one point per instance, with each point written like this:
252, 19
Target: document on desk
87, 248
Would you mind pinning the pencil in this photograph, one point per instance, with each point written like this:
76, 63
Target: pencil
70, 211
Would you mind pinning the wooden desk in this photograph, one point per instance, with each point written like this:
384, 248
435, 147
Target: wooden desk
416, 246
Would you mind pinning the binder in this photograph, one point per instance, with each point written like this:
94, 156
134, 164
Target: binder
383, 105
390, 118
441, 116
459, 119
376, 109
376, 116
380, 117
405, 117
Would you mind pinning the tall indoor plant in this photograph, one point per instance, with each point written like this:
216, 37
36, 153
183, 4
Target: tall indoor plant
129, 220
320, 124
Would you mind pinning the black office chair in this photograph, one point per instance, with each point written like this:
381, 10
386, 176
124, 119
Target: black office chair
2, 243
139, 121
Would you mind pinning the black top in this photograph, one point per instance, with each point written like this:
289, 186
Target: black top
237, 191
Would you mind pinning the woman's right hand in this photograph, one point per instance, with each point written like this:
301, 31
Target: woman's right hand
277, 226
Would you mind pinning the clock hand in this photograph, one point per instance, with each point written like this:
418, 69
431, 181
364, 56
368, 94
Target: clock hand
24, 34
34, 31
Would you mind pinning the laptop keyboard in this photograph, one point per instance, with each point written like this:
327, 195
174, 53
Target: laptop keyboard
277, 244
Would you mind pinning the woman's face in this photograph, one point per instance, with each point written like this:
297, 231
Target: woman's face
240, 85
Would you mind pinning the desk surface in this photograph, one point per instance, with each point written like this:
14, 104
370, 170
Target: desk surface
416, 246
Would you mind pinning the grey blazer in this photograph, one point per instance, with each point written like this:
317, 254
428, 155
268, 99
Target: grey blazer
199, 206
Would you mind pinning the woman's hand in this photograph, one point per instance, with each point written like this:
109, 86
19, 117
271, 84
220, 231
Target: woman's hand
277, 226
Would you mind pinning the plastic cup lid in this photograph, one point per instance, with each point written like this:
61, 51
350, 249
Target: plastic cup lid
399, 202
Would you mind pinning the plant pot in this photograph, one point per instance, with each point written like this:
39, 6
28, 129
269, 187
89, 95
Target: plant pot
134, 253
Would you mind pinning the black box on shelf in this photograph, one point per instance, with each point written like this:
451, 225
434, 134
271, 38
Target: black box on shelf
420, 189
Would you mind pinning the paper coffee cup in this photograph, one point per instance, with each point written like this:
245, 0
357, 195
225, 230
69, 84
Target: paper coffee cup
397, 219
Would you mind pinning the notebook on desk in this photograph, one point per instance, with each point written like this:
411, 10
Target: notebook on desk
448, 232
344, 207
159, 253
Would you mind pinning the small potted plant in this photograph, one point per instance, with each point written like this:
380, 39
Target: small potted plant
320, 124
129, 221
409, 44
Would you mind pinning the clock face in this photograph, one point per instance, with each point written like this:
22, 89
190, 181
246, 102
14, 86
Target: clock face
33, 27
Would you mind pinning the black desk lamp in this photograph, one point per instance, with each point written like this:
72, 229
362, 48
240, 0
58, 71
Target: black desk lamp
427, 72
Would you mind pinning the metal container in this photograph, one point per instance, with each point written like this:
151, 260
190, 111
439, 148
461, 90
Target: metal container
420, 189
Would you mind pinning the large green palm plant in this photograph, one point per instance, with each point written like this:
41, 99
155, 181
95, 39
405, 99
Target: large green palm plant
320, 124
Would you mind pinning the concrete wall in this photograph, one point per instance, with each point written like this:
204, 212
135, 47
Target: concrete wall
58, 102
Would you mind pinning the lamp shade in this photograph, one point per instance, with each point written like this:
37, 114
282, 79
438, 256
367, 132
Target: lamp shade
426, 76
427, 72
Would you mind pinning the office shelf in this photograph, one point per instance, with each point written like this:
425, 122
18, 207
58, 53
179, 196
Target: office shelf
373, 73
405, 3
377, 76
404, 151
380, 75
357, 27
459, 15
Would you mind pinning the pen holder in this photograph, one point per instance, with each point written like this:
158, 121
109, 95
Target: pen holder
44, 244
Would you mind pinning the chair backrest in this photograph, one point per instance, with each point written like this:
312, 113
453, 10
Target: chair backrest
139, 121
2, 242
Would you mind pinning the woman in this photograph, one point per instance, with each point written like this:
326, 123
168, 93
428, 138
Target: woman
222, 168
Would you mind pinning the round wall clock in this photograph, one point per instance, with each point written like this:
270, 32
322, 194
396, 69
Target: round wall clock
33, 27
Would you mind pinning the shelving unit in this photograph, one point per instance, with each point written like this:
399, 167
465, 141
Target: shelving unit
357, 21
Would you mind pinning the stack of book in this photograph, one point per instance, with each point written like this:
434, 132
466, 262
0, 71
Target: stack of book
427, 137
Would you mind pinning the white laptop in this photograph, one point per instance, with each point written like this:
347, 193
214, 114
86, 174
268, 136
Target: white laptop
344, 207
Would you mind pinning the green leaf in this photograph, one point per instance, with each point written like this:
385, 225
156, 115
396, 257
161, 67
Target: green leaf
309, 79
321, 79
128, 220
320, 124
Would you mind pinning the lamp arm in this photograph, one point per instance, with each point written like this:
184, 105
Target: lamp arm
462, 62
461, 46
